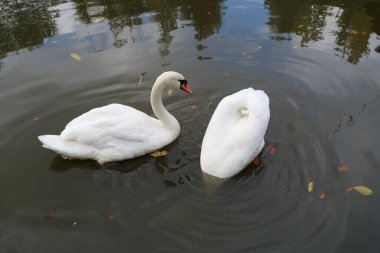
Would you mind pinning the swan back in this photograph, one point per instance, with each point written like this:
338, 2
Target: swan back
235, 134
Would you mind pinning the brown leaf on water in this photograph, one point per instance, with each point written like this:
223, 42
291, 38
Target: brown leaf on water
363, 190
36, 119
159, 153
50, 216
110, 217
194, 106
256, 161
170, 92
75, 56
349, 189
342, 168
270, 149
322, 196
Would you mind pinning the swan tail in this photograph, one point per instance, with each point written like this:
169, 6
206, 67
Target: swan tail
67, 149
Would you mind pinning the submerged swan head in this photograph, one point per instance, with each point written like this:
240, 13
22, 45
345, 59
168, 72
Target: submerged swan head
172, 79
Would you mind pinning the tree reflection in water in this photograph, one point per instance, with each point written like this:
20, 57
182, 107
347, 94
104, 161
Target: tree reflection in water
25, 24
355, 21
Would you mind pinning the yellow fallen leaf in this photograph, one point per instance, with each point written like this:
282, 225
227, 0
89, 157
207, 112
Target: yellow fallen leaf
159, 153
300, 26
99, 19
170, 92
363, 190
310, 186
75, 56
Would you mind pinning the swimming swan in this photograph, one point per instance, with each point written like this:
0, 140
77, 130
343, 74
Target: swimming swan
117, 132
235, 134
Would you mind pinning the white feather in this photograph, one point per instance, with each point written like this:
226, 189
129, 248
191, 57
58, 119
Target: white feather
235, 134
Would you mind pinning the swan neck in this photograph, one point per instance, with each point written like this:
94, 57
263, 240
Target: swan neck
167, 120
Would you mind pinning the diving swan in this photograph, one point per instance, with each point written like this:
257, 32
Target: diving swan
117, 132
235, 133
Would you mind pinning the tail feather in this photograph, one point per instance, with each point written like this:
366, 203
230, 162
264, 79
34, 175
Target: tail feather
65, 148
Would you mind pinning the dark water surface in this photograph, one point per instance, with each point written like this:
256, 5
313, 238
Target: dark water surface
318, 61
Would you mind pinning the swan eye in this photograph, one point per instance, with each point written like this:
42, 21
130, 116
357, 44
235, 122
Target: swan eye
183, 82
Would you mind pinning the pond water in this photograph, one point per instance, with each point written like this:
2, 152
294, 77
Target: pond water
318, 61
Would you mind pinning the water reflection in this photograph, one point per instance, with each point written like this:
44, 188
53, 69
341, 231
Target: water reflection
349, 22
25, 24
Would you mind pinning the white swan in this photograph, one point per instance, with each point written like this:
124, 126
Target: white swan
235, 134
117, 132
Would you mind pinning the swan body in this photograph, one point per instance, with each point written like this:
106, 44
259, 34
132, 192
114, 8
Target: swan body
117, 132
235, 134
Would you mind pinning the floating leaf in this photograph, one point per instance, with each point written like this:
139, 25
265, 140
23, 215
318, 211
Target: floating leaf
99, 19
270, 149
294, 46
194, 106
257, 161
36, 119
322, 196
170, 92
75, 56
310, 186
110, 217
50, 216
342, 168
349, 189
363, 190
159, 153
300, 26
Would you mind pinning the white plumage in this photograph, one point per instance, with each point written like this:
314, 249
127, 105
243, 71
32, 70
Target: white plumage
235, 134
117, 132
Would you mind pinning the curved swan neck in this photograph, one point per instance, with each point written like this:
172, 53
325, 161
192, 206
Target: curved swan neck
167, 120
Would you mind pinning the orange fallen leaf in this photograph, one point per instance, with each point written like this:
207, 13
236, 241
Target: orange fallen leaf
364, 32
270, 149
111, 217
256, 161
322, 196
349, 189
342, 168
194, 106
50, 216
75, 56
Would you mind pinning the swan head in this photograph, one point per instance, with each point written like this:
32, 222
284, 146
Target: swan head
173, 79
